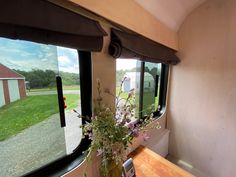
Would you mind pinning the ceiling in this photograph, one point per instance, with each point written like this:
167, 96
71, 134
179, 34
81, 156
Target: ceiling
170, 12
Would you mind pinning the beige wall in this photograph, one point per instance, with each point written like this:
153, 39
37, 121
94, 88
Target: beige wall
104, 69
132, 16
202, 100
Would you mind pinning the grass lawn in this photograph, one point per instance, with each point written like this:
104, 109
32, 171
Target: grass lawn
71, 87
28, 111
123, 94
42, 90
72, 101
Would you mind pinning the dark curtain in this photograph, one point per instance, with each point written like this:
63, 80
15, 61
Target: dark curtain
128, 45
45, 22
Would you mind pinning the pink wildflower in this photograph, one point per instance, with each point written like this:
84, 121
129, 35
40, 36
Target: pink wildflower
145, 136
135, 132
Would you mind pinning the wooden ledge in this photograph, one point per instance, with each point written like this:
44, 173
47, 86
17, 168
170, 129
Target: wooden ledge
149, 164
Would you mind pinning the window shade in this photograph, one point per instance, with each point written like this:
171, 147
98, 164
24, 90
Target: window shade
43, 21
127, 45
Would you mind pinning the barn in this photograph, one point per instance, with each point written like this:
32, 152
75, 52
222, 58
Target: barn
12, 85
131, 81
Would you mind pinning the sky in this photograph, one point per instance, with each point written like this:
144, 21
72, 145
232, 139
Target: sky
25, 55
68, 60
124, 64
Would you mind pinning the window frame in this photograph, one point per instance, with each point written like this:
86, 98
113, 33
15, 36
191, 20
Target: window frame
162, 92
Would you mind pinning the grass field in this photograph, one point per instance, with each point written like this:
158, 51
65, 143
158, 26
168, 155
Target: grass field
148, 100
123, 94
72, 101
29, 111
71, 87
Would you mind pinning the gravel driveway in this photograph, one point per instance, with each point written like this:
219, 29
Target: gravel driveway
39, 145
53, 92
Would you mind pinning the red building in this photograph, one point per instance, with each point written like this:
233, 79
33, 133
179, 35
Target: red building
12, 85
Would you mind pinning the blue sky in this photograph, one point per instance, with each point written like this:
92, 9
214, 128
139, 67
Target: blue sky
25, 55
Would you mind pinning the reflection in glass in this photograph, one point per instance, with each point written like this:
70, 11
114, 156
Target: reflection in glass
30, 131
152, 73
130, 70
69, 71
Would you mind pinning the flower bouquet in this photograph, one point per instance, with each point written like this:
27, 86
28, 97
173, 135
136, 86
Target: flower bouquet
111, 130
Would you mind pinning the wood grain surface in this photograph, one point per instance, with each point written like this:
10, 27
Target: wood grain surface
149, 164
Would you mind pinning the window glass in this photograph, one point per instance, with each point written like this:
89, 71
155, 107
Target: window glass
151, 87
30, 132
128, 71
145, 78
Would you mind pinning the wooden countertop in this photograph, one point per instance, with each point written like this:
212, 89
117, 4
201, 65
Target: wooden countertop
149, 164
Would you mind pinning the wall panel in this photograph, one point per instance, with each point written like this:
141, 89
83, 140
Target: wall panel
13, 90
2, 98
202, 100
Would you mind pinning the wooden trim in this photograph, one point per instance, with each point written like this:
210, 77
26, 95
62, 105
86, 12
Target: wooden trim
21, 85
6, 92
11, 78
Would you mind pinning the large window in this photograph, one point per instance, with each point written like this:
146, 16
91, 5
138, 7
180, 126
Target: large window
31, 135
149, 80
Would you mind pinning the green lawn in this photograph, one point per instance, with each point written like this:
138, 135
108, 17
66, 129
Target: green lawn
72, 101
28, 111
123, 94
148, 99
42, 90
71, 87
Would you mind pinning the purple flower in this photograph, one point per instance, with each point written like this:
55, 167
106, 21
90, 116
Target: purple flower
131, 125
145, 136
135, 132
128, 120
90, 136
99, 152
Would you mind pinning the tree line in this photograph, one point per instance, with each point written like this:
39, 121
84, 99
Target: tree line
47, 78
120, 73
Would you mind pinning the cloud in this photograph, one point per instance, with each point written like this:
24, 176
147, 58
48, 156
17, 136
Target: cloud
63, 60
67, 64
25, 55
44, 59
68, 60
124, 64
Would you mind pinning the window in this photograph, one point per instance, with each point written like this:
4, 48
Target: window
128, 71
30, 132
149, 81
151, 87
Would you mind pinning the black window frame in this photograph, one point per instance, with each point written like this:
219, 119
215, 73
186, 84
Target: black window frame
69, 162
162, 94
163, 90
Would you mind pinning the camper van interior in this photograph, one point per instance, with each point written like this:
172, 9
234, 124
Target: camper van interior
86, 85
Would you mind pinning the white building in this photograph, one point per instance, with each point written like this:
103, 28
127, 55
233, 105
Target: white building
132, 81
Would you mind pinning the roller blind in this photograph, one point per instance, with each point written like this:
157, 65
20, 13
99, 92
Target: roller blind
43, 21
127, 45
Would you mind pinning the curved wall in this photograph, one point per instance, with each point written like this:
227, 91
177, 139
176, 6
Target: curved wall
202, 100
